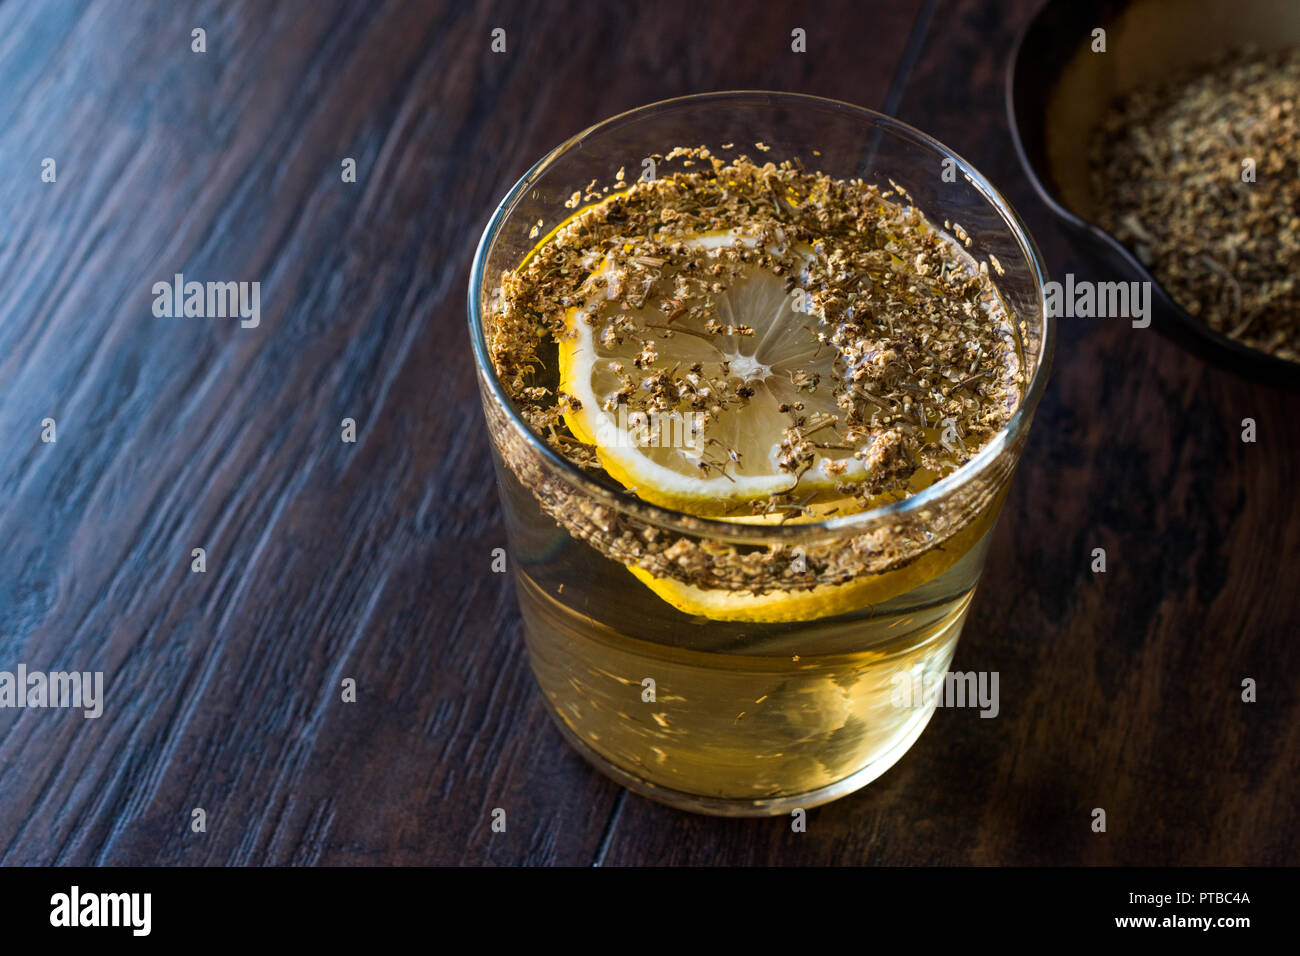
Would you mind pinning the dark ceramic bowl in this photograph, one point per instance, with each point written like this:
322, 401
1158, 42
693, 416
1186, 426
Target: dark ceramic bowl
1057, 90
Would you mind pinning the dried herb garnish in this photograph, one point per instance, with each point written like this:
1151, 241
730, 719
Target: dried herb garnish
925, 369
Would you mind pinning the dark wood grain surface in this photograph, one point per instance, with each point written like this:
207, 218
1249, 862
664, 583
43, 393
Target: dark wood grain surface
370, 560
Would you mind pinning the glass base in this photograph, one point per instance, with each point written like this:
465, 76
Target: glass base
735, 807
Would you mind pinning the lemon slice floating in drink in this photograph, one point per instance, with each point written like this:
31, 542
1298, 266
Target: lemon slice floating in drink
824, 600
720, 447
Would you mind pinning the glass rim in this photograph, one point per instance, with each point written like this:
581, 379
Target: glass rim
683, 521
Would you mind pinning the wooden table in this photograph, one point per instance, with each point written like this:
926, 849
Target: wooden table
369, 561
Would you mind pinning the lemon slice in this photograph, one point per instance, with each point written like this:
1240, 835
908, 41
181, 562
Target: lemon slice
825, 600
694, 461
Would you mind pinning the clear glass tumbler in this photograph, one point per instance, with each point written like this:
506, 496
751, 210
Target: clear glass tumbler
731, 717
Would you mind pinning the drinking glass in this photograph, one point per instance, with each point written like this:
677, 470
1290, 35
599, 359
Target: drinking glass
731, 717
